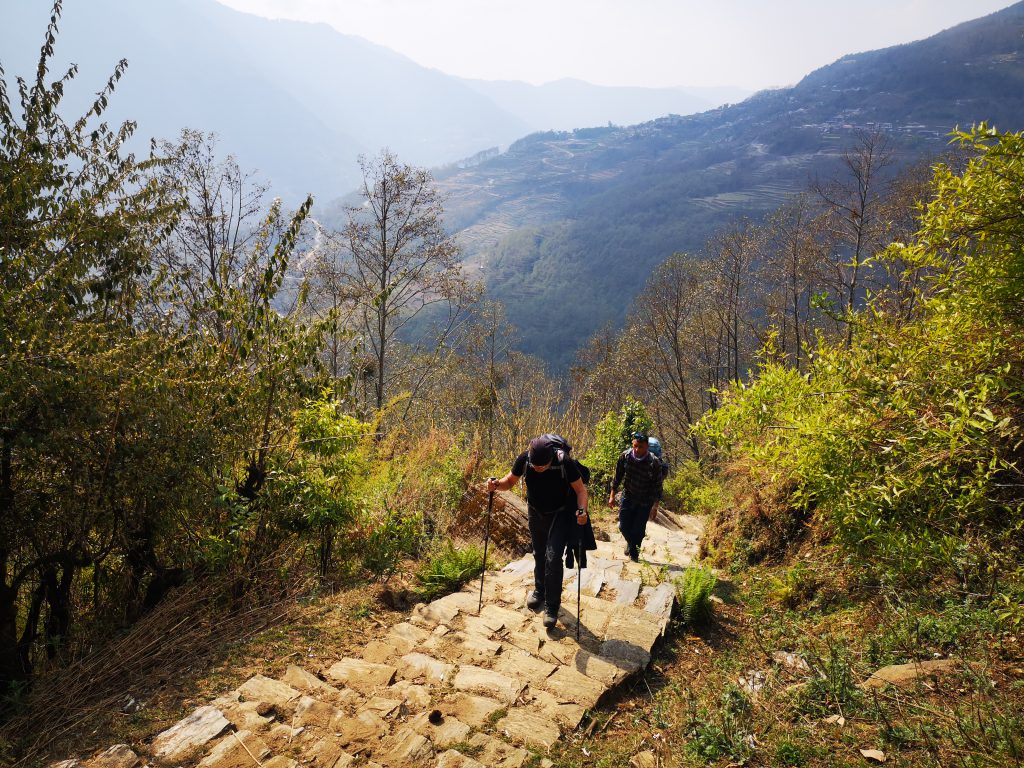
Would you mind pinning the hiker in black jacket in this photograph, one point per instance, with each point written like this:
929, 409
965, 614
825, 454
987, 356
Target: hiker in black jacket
557, 500
639, 472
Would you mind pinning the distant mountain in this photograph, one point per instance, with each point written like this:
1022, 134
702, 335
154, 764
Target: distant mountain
298, 101
565, 227
295, 100
567, 104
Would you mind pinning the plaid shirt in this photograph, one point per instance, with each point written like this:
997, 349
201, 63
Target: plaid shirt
641, 479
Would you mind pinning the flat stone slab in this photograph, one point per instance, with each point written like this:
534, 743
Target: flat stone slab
305, 681
495, 753
903, 675
453, 759
591, 582
433, 614
236, 750
608, 672
468, 647
412, 695
469, 708
643, 633
384, 707
117, 756
365, 728
568, 714
626, 590
407, 748
406, 637
518, 663
268, 690
593, 621
479, 680
310, 711
326, 753
659, 601
558, 652
504, 618
626, 652
518, 568
244, 715
569, 685
527, 640
529, 728
188, 735
416, 666
380, 651
364, 676
447, 729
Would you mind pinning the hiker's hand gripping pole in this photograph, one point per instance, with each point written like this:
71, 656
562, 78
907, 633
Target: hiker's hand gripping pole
487, 537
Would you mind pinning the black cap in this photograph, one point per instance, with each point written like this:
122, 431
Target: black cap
541, 453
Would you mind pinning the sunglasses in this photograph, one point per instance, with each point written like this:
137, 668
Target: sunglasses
640, 436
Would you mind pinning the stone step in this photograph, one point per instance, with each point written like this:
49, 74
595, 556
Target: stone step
456, 685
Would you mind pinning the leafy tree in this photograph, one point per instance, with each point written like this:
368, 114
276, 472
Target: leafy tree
906, 443
83, 388
399, 262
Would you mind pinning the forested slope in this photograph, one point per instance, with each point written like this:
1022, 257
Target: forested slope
565, 227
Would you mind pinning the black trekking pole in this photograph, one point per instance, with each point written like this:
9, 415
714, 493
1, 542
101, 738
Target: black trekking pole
579, 585
487, 537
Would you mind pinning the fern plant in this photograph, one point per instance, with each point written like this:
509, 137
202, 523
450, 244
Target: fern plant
693, 593
448, 570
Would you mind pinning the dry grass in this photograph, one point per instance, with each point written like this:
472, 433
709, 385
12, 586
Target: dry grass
196, 645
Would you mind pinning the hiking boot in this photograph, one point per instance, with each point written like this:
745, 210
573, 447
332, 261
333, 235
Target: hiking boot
634, 553
535, 600
550, 618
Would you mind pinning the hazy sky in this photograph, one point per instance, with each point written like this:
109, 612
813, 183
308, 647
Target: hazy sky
747, 43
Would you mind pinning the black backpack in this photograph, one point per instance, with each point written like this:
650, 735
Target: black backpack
563, 451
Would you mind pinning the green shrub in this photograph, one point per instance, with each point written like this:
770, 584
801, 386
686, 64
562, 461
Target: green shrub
693, 592
726, 733
390, 541
795, 585
833, 688
448, 569
688, 489
612, 436
789, 754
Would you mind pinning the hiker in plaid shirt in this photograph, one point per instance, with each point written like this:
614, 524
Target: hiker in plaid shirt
639, 472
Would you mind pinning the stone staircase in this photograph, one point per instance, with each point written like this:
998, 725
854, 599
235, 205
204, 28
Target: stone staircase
450, 687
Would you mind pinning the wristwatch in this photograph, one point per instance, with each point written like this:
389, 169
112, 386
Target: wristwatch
581, 512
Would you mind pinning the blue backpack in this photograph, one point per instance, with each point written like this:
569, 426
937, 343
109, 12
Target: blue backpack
654, 446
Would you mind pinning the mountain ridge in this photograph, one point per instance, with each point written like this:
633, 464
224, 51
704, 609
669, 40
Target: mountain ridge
589, 213
294, 100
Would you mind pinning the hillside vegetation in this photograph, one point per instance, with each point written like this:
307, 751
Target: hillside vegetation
209, 424
866, 511
565, 226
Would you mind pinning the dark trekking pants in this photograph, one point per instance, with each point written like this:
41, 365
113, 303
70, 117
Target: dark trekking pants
549, 534
633, 522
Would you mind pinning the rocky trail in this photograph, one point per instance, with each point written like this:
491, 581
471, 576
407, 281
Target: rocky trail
455, 685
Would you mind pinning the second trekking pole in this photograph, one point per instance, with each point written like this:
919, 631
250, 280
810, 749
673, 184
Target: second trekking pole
579, 585
487, 537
